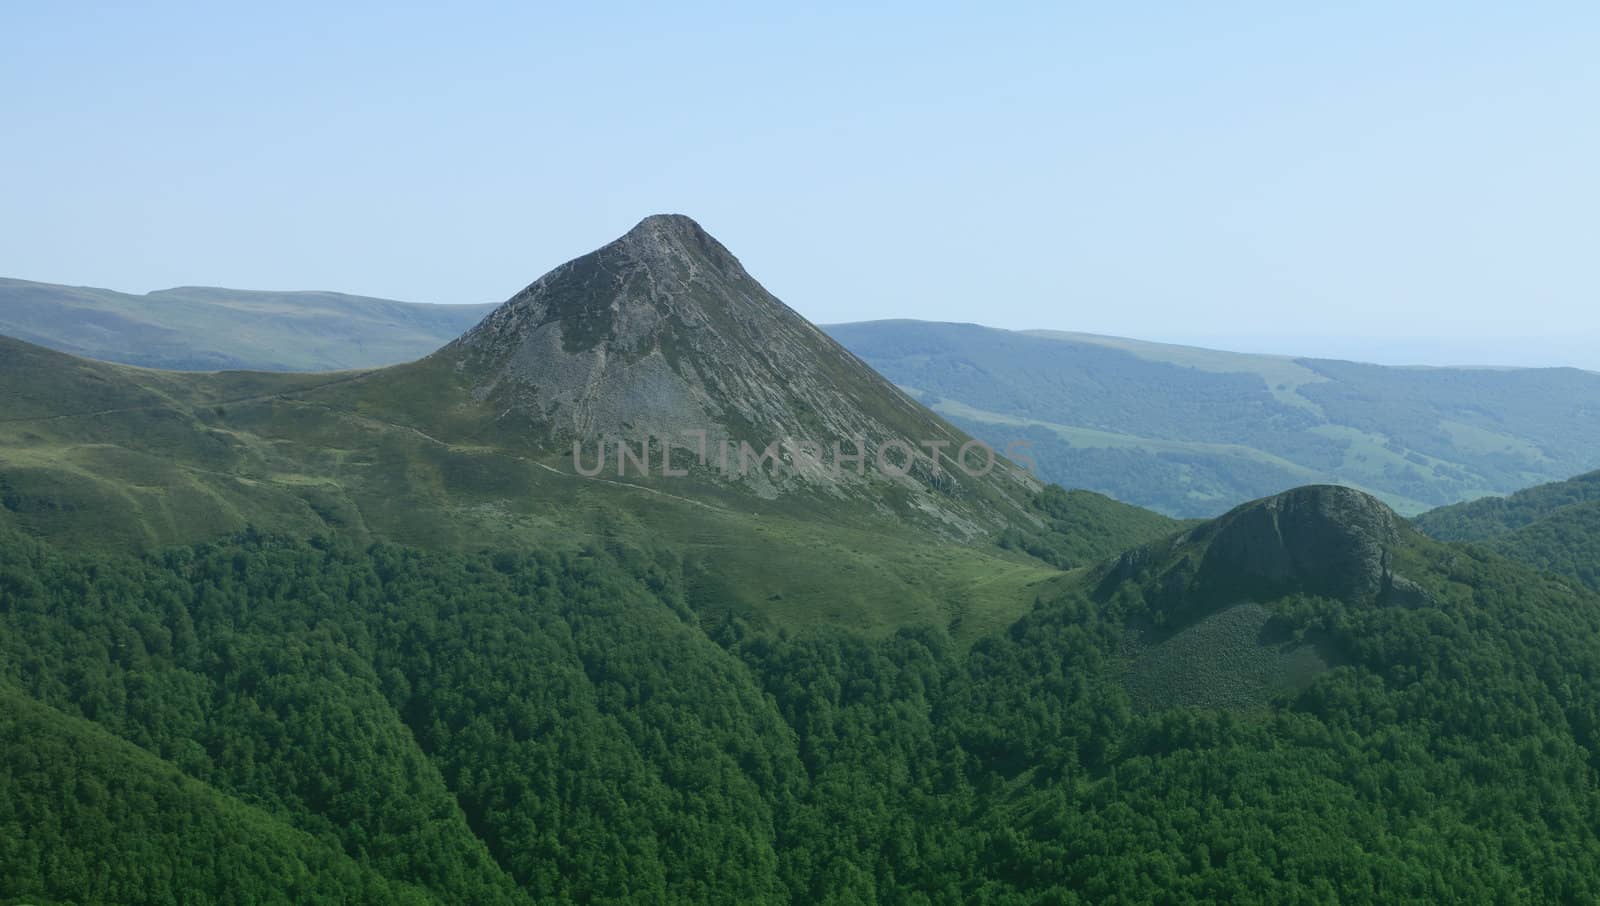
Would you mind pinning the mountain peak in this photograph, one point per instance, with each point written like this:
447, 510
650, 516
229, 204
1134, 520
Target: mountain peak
1328, 539
673, 238
679, 226
662, 329
666, 272
662, 333
679, 222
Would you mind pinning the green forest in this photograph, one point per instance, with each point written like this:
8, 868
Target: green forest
1553, 527
271, 720
608, 577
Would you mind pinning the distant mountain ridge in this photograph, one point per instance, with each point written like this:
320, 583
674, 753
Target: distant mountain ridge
1186, 431
656, 335
200, 328
1191, 432
375, 636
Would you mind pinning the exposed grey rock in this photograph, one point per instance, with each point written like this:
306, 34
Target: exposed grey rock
1323, 539
663, 333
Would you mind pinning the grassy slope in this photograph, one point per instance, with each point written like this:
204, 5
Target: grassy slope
104, 456
204, 328
1192, 431
1183, 430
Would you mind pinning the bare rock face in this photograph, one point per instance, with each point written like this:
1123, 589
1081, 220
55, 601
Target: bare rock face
664, 330
1323, 539
663, 334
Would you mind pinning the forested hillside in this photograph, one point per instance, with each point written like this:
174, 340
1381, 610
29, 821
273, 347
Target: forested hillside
1555, 527
639, 587
578, 725
371, 637
206, 328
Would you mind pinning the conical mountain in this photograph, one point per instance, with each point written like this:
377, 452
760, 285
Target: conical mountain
664, 330
662, 338
661, 335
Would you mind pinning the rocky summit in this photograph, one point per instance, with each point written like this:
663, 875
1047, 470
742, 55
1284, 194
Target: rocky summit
660, 340
664, 330
662, 336
1325, 540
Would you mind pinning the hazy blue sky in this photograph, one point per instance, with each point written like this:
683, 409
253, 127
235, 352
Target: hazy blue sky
1384, 181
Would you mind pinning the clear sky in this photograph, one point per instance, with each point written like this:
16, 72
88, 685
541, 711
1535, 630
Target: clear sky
1384, 181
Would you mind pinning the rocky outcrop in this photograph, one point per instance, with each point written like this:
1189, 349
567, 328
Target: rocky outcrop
663, 330
1323, 539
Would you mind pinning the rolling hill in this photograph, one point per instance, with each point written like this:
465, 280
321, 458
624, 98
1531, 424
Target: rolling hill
1185, 431
386, 636
1555, 527
654, 339
1192, 432
201, 328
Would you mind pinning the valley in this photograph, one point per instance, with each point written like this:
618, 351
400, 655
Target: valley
374, 636
648, 559
1192, 432
1188, 432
